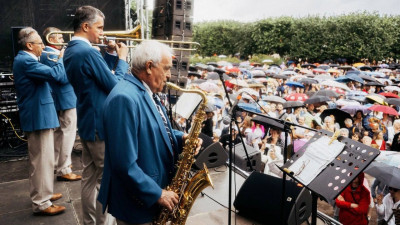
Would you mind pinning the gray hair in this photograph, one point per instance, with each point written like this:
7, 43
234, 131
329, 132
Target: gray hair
348, 121
47, 31
87, 14
328, 118
25, 36
396, 122
344, 130
149, 50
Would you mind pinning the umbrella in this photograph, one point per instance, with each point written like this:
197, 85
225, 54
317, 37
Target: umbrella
366, 77
358, 64
262, 80
268, 122
393, 101
257, 73
332, 83
324, 67
198, 81
389, 175
356, 95
310, 75
296, 97
292, 104
267, 61
308, 65
256, 85
365, 68
392, 88
340, 115
374, 83
273, 98
293, 83
297, 77
317, 99
324, 77
249, 91
319, 71
352, 109
327, 93
337, 90
209, 87
308, 81
279, 76
354, 77
376, 98
384, 109
289, 73
346, 102
389, 95
376, 74
249, 107
238, 82
333, 71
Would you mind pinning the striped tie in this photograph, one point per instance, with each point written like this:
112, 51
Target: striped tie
158, 106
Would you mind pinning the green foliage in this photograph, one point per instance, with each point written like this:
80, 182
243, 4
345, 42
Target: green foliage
353, 36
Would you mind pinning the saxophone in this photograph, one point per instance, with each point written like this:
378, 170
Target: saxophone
187, 188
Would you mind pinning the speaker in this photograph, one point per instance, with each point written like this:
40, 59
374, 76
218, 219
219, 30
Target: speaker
260, 197
213, 156
173, 7
240, 159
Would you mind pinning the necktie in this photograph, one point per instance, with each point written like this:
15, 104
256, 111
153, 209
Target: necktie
158, 106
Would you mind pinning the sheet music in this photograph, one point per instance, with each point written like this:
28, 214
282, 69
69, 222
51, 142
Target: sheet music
315, 158
186, 104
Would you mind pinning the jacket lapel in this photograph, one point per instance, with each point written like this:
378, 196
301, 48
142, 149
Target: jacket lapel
153, 110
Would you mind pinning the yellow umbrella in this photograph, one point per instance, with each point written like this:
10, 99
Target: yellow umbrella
358, 64
377, 99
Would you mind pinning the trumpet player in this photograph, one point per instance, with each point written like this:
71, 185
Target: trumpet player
65, 103
38, 117
92, 81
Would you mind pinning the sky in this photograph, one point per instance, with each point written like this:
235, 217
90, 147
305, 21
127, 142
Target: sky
253, 10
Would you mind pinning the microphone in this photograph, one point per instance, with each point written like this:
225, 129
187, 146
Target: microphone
227, 119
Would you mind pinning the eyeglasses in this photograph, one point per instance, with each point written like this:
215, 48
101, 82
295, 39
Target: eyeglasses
37, 43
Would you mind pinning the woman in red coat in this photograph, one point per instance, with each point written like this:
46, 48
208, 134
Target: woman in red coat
354, 202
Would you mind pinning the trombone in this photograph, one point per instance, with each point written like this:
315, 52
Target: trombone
130, 35
49, 54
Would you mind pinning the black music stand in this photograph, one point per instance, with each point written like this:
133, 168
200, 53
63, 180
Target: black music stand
332, 180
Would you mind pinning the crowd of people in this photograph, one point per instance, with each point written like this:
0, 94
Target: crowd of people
129, 145
365, 109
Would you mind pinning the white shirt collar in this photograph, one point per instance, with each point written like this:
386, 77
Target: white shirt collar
33, 55
148, 90
81, 39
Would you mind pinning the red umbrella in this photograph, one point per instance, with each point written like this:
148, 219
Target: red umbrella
296, 97
389, 95
384, 109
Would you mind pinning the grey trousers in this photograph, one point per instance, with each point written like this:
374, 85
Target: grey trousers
64, 139
41, 168
93, 163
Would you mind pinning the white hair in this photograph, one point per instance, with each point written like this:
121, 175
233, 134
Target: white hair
348, 121
396, 122
328, 118
25, 35
149, 50
345, 131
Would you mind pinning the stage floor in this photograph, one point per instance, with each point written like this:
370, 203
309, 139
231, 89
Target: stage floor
15, 205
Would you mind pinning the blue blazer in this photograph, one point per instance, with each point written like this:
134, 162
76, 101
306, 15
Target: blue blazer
63, 94
36, 106
92, 80
139, 159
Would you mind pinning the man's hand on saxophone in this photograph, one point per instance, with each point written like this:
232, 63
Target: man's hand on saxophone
168, 199
198, 145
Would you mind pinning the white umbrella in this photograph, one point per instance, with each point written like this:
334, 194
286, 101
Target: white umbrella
249, 91
345, 102
267, 61
392, 88
332, 83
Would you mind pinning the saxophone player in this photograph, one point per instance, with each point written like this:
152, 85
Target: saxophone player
141, 146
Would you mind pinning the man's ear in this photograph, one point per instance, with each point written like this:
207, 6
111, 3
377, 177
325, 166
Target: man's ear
29, 46
85, 27
149, 65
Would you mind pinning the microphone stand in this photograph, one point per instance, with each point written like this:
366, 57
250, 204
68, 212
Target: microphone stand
233, 120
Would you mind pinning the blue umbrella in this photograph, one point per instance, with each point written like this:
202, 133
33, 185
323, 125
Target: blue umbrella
293, 83
355, 77
356, 95
249, 107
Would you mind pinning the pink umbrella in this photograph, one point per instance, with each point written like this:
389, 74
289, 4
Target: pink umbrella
209, 87
296, 97
384, 109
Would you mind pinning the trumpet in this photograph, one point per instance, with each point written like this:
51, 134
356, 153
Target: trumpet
130, 35
49, 54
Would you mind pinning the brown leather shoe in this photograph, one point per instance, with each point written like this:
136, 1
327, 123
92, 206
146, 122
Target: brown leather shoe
51, 211
69, 177
55, 197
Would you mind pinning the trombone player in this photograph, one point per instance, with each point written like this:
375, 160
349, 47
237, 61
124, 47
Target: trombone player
65, 103
92, 81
